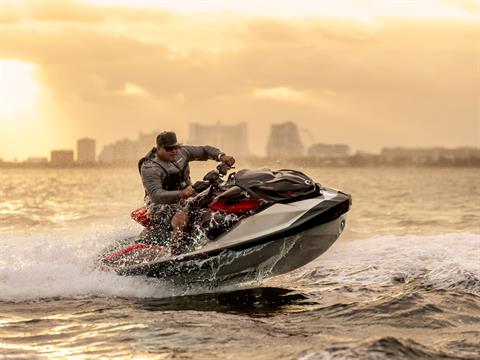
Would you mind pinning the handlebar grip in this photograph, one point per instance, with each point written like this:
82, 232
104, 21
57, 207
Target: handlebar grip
223, 168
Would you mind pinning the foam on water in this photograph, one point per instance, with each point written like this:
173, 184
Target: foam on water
61, 264
447, 261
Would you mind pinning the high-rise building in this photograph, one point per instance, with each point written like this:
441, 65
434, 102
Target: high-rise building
121, 152
284, 141
232, 139
61, 157
86, 151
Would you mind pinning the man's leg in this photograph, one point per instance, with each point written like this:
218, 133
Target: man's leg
179, 225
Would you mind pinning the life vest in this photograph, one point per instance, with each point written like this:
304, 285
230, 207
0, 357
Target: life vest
172, 181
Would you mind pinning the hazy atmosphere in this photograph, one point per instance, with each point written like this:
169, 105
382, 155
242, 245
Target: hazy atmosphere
368, 74
337, 216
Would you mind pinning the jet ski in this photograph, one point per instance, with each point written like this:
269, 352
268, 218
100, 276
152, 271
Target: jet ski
252, 225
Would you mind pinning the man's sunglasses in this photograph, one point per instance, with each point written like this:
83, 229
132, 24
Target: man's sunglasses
171, 148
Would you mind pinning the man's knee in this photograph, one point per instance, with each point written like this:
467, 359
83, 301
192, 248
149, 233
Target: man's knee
180, 220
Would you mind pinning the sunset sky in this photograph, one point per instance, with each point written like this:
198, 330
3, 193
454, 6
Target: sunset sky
366, 73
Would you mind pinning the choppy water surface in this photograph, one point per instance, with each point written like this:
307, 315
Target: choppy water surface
403, 281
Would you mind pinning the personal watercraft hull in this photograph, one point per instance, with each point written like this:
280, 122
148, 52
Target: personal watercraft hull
277, 240
268, 259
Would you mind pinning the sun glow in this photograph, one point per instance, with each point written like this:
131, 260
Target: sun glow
18, 88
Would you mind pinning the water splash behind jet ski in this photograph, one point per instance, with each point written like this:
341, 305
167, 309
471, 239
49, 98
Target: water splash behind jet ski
254, 224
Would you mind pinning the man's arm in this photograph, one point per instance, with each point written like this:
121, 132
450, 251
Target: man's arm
201, 153
152, 179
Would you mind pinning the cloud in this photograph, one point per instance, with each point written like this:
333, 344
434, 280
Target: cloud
271, 31
278, 93
75, 12
76, 57
9, 13
134, 90
388, 79
64, 11
471, 6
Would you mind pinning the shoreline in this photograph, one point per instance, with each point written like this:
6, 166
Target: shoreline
269, 163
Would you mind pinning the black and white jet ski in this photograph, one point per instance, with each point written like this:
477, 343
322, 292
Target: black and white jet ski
255, 224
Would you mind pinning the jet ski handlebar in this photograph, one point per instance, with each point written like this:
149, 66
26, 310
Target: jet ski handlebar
223, 168
212, 178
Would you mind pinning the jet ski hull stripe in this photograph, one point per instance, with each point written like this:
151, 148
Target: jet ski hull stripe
130, 249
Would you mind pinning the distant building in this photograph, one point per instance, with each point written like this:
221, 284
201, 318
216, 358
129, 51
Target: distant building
86, 151
61, 157
284, 141
121, 152
232, 139
428, 155
329, 151
229, 138
36, 160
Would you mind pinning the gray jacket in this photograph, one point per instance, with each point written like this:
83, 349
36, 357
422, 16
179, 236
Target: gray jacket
154, 172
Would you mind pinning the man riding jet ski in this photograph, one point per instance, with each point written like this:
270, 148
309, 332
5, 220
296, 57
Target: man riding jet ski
165, 175
254, 224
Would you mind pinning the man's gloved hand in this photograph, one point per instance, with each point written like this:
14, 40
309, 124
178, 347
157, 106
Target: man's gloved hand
187, 192
229, 160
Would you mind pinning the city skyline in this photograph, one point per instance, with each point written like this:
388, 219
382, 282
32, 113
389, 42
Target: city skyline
368, 74
283, 137
147, 139
306, 138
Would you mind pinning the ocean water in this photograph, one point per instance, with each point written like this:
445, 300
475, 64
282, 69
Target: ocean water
402, 282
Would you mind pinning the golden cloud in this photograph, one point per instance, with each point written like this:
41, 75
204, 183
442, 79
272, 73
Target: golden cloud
401, 75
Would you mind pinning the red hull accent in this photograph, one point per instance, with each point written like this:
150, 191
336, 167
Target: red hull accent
130, 249
142, 216
235, 207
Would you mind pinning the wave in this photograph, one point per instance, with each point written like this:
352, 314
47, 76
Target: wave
430, 262
385, 348
61, 264
405, 309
